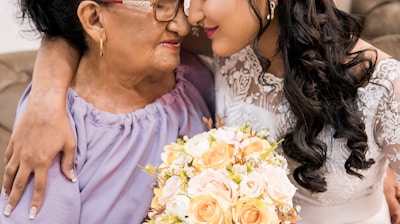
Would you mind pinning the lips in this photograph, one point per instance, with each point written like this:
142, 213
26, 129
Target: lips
210, 31
172, 44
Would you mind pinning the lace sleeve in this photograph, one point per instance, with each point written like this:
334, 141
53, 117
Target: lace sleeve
388, 116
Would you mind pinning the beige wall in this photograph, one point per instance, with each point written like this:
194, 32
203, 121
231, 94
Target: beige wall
11, 37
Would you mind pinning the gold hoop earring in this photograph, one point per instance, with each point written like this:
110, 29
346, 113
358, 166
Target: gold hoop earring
101, 46
271, 16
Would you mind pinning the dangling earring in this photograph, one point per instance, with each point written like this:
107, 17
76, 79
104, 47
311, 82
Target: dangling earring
101, 46
272, 10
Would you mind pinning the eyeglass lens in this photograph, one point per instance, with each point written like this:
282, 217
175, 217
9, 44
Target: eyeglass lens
166, 10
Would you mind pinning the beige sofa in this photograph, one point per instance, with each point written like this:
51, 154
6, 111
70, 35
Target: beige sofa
16, 68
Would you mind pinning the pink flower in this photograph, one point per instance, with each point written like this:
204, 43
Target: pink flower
170, 190
215, 183
279, 187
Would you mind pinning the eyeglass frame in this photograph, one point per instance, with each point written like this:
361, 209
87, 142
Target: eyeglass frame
152, 3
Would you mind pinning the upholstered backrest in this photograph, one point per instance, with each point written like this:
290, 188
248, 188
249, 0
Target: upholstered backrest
382, 27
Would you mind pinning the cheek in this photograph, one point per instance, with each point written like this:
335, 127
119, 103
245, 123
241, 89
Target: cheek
218, 11
135, 35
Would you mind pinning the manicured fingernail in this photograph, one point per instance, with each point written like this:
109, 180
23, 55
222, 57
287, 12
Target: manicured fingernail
32, 213
73, 177
7, 210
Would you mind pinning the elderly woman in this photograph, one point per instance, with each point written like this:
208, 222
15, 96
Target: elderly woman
130, 96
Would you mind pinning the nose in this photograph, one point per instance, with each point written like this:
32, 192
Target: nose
195, 13
179, 24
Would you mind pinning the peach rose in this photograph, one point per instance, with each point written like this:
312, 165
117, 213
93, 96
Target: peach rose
254, 145
279, 187
218, 157
154, 202
170, 153
206, 208
213, 182
254, 211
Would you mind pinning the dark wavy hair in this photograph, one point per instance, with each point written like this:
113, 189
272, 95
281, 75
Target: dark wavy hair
55, 18
320, 83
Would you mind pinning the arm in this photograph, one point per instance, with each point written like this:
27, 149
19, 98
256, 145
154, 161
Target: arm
391, 190
43, 130
389, 131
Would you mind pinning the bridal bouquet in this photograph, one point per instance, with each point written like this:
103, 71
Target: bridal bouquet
226, 175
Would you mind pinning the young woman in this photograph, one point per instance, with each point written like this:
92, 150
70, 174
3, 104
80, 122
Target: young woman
299, 68
130, 96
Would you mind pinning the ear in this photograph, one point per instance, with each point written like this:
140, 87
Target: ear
91, 15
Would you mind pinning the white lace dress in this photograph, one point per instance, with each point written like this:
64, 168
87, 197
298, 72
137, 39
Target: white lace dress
348, 199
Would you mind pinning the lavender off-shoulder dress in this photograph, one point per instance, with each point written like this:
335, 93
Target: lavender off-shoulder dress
111, 148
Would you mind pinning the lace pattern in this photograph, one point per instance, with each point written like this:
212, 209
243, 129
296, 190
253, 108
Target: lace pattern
241, 98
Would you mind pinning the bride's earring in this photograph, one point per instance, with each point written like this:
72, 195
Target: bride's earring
272, 10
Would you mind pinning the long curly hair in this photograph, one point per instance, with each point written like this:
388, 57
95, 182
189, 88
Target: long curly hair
320, 83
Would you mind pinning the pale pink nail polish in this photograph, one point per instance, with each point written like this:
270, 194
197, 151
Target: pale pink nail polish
7, 210
32, 212
73, 176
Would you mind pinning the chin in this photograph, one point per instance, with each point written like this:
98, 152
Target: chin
224, 50
169, 65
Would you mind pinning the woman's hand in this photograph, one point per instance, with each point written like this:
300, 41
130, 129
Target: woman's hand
43, 130
392, 194
40, 134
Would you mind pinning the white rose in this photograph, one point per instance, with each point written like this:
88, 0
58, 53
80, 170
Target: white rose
213, 182
239, 169
198, 144
252, 186
179, 163
228, 134
178, 206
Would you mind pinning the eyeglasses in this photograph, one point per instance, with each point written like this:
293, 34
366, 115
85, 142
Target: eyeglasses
164, 10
